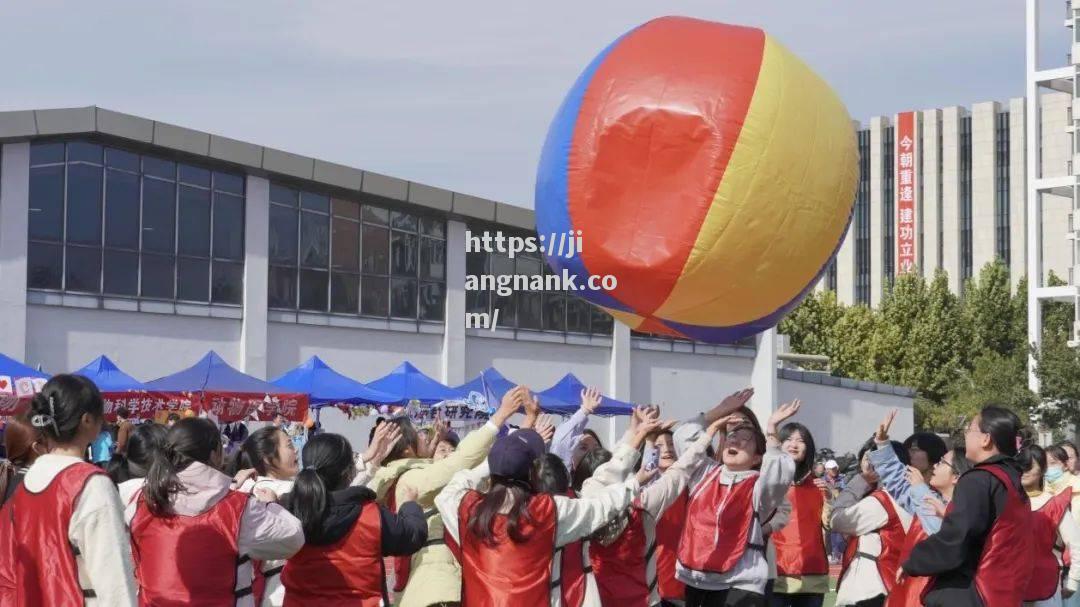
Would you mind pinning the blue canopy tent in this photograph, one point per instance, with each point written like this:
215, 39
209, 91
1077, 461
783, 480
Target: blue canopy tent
18, 383
490, 383
215, 387
108, 377
565, 397
406, 383
325, 386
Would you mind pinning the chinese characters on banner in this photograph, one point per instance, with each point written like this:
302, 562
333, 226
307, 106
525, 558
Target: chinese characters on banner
224, 406
906, 154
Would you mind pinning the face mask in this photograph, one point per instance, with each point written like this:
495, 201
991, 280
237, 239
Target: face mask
1053, 474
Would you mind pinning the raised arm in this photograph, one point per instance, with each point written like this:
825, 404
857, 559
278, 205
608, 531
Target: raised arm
622, 462
580, 517
657, 497
569, 432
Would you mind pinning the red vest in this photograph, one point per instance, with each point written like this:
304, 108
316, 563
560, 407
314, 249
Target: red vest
507, 573
892, 538
622, 568
399, 565
909, 590
800, 545
668, 528
1005, 564
41, 569
347, 572
574, 570
718, 525
1046, 570
189, 560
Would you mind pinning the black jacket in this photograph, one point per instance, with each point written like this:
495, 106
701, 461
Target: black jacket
952, 554
402, 534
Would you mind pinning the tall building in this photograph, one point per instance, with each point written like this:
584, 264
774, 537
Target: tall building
950, 192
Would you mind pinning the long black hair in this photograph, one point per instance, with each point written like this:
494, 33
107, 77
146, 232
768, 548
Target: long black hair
1003, 426
188, 441
144, 444
58, 409
482, 518
1031, 455
806, 466
328, 466
931, 443
592, 460
549, 475
260, 449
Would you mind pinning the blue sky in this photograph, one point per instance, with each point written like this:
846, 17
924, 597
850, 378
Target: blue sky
459, 94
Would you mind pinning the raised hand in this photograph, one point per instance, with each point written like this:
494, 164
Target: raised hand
512, 402
914, 476
782, 413
882, 433
936, 505
590, 400
382, 443
644, 476
545, 429
243, 475
729, 405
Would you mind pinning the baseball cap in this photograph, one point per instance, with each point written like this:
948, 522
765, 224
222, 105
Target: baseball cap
831, 464
512, 456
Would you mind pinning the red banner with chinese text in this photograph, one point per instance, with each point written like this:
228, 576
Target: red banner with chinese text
906, 154
224, 406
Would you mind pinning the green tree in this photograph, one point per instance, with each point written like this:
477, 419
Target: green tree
989, 313
852, 348
808, 326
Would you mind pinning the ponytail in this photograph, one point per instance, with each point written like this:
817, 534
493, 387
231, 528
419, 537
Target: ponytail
144, 445
482, 518
188, 441
328, 466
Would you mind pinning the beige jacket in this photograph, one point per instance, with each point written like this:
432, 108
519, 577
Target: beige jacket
435, 576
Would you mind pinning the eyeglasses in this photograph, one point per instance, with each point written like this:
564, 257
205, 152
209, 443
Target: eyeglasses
951, 467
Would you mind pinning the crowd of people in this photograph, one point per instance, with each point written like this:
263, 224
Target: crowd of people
719, 510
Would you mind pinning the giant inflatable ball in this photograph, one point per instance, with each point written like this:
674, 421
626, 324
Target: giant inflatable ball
707, 169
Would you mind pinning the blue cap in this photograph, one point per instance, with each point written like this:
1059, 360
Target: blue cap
512, 456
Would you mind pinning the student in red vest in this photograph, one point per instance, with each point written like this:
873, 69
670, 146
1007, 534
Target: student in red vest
506, 538
669, 527
62, 532
192, 536
802, 559
346, 532
572, 581
876, 526
982, 556
623, 553
721, 556
1054, 531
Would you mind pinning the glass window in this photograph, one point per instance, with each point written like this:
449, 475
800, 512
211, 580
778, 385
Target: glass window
314, 202
228, 226
375, 296
375, 215
194, 175
314, 240
432, 301
430, 226
82, 269
46, 153
283, 235
81, 151
158, 167
403, 253
432, 259
44, 266
193, 279
346, 243
403, 221
376, 250
344, 293
121, 273
602, 322
121, 210
577, 315
530, 311
194, 236
119, 159
554, 311
231, 184
84, 204
403, 298
47, 203
476, 300
313, 290
227, 285
346, 208
158, 276
282, 287
283, 195
159, 216
502, 265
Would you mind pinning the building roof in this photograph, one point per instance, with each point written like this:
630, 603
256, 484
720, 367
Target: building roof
22, 125
817, 377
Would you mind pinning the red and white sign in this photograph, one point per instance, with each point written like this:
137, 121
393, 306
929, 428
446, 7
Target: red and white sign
224, 406
905, 188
